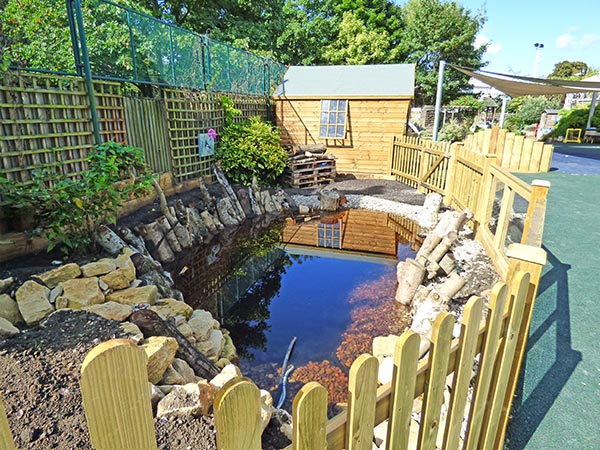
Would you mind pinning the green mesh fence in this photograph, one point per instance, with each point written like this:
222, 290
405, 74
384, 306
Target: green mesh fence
127, 45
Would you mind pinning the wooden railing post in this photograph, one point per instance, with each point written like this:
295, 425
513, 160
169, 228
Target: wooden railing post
451, 174
6, 440
486, 194
536, 214
527, 259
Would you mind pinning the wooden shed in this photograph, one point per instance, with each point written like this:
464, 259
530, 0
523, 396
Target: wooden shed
354, 110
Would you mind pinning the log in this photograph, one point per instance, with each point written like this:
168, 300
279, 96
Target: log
144, 264
109, 240
228, 189
412, 276
182, 235
169, 234
447, 263
156, 243
133, 240
442, 248
451, 286
449, 221
196, 225
428, 216
329, 200
209, 221
313, 148
151, 324
164, 206
254, 203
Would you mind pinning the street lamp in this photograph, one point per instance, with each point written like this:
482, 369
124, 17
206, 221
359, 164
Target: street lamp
538, 49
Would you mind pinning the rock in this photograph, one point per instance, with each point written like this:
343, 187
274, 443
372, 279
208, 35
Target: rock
156, 395
264, 198
110, 311
244, 199
32, 300
55, 292
384, 346
161, 352
196, 225
182, 401
209, 221
61, 303
60, 274
136, 283
119, 279
169, 307
124, 261
425, 315
208, 392
82, 292
104, 287
217, 340
283, 421
134, 296
227, 213
9, 309
303, 209
132, 331
98, 268
229, 372
280, 200
229, 351
7, 329
171, 377
201, 323
5, 284
386, 370
207, 349
186, 330
184, 369
165, 388
266, 409
222, 362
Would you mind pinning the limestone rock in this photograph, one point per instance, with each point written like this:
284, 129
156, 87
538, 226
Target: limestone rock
5, 284
32, 300
134, 296
425, 315
172, 377
110, 311
386, 370
132, 331
165, 388
266, 409
217, 340
229, 351
229, 372
55, 292
222, 362
61, 303
119, 278
384, 345
170, 307
283, 421
7, 329
124, 261
182, 401
9, 309
98, 268
161, 352
60, 274
82, 292
201, 323
208, 392
207, 349
184, 369
227, 213
156, 395
303, 209
186, 330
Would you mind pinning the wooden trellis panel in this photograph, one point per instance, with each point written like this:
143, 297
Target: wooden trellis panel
45, 122
111, 111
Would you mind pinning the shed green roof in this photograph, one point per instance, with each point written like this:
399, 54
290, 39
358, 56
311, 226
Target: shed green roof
379, 80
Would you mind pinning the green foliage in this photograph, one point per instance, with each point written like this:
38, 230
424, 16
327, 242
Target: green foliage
453, 132
575, 118
69, 210
468, 101
527, 111
574, 70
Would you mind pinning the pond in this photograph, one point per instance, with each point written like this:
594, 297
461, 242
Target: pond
328, 282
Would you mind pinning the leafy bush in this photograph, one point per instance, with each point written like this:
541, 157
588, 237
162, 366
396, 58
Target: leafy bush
527, 111
70, 210
575, 118
453, 132
250, 149
468, 101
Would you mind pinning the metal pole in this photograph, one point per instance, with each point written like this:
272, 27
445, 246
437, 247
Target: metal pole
74, 39
172, 55
132, 44
503, 111
592, 110
88, 72
438, 100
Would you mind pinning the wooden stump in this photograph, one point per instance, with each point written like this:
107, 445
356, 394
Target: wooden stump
411, 277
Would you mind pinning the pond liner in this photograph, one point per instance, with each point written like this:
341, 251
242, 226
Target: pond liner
285, 372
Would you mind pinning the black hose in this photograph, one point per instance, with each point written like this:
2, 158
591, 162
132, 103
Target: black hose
285, 372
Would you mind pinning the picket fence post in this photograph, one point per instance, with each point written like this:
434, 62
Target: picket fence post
309, 411
6, 440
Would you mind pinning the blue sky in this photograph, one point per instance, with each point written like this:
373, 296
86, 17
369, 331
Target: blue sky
569, 30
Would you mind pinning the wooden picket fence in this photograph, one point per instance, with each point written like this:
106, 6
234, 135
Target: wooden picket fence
119, 414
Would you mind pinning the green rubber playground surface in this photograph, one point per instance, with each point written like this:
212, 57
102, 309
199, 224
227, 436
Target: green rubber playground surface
558, 398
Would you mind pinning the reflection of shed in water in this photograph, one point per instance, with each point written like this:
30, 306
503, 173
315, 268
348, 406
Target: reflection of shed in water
355, 230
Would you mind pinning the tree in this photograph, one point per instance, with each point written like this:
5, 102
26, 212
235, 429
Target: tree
528, 111
356, 44
574, 70
436, 30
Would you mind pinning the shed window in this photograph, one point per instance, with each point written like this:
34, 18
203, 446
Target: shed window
333, 119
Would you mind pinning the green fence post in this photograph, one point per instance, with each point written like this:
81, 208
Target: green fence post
74, 41
172, 55
82, 44
207, 75
132, 45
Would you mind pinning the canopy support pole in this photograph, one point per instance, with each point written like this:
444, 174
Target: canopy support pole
438, 100
503, 111
592, 110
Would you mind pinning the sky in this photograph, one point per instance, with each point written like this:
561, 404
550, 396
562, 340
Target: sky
569, 30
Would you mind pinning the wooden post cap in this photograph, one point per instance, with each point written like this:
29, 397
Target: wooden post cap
527, 253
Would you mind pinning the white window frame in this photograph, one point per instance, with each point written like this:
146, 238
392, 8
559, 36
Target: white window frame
333, 118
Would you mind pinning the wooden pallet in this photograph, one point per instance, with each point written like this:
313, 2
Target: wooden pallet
311, 172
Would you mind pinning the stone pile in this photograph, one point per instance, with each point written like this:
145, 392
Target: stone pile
109, 288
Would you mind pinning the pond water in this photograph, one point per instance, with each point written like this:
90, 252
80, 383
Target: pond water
329, 282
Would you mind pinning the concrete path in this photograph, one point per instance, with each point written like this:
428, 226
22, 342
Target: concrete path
558, 401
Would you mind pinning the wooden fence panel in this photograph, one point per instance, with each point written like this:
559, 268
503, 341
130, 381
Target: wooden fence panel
439, 354
116, 397
237, 415
406, 357
147, 129
310, 418
362, 389
111, 111
6, 440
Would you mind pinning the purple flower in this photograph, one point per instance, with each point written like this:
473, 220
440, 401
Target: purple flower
212, 134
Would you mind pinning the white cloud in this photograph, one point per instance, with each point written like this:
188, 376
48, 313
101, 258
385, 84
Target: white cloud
568, 41
493, 47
